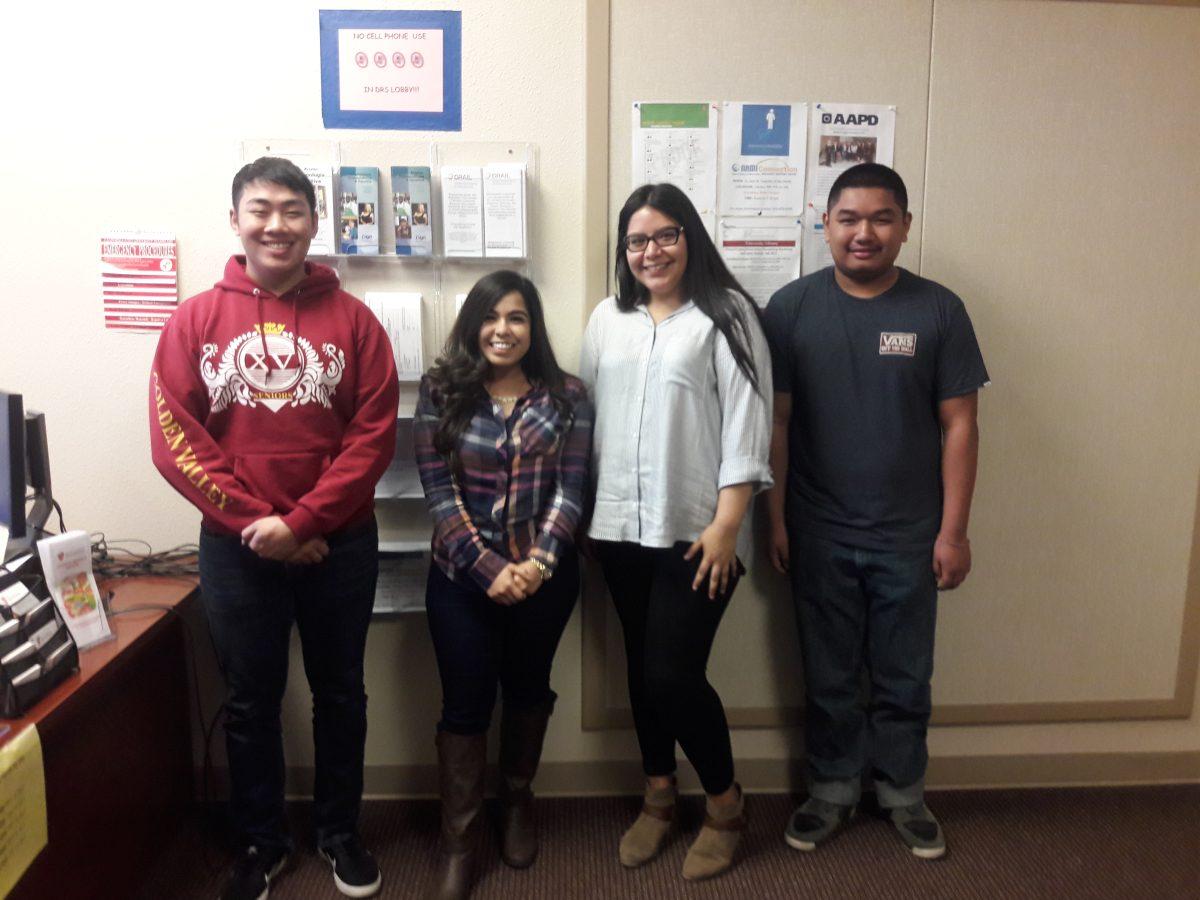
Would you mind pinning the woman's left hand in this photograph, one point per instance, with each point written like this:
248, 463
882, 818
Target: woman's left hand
718, 544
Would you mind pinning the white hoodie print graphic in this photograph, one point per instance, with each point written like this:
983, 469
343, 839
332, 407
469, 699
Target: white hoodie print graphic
289, 373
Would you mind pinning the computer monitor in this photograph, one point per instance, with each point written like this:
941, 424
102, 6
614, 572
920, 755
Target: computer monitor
37, 471
12, 465
26, 499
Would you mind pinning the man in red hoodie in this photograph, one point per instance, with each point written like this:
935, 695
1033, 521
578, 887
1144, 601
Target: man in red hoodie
273, 410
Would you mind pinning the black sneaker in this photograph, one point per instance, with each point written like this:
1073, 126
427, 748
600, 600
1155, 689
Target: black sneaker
920, 830
815, 822
250, 877
354, 870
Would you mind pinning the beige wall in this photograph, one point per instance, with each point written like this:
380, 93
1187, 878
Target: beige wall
1049, 153
1049, 149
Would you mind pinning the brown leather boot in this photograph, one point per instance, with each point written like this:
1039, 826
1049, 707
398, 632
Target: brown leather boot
522, 732
461, 763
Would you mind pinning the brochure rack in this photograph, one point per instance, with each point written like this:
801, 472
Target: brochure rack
440, 279
36, 650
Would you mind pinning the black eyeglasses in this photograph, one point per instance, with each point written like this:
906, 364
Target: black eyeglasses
664, 237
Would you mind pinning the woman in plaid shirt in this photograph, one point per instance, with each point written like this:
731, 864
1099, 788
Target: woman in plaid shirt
503, 440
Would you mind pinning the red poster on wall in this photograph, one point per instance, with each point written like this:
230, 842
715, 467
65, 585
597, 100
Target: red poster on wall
139, 279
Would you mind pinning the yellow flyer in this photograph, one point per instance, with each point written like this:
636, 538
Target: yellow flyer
23, 831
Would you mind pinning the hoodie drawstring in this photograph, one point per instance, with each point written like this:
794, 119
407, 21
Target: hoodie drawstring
262, 331
296, 326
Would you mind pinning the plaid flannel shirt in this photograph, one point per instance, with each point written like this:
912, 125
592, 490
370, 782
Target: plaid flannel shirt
522, 491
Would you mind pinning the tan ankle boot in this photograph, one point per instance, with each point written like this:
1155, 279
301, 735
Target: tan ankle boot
712, 852
648, 833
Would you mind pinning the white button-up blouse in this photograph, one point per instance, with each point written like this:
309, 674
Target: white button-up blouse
676, 421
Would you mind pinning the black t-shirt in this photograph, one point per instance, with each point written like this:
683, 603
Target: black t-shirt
866, 377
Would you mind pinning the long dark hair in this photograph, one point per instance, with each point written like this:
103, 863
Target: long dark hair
706, 280
459, 373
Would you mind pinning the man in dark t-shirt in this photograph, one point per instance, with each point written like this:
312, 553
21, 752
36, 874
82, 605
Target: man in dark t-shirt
876, 374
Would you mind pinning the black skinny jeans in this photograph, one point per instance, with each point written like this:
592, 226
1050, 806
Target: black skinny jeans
669, 632
251, 604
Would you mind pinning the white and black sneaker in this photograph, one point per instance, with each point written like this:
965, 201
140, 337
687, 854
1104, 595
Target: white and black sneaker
250, 877
815, 821
919, 830
355, 872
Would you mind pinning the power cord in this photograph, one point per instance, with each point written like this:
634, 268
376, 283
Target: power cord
62, 528
110, 560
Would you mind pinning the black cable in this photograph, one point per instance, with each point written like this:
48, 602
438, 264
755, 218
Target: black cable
62, 528
110, 561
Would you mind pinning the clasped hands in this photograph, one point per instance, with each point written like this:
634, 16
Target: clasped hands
516, 582
270, 538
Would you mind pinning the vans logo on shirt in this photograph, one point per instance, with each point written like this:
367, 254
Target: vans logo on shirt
897, 343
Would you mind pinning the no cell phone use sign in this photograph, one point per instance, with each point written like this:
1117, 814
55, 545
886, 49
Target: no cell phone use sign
392, 70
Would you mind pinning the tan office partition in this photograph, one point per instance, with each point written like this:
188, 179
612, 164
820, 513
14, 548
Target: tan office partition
1050, 151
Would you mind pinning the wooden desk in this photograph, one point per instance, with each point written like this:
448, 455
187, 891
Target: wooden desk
117, 751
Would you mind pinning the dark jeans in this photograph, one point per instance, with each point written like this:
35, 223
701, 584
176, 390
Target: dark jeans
669, 632
251, 604
480, 643
869, 611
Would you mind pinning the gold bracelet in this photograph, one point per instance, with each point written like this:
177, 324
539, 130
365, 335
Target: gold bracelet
543, 569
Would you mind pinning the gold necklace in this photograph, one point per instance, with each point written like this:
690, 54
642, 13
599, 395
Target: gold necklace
505, 400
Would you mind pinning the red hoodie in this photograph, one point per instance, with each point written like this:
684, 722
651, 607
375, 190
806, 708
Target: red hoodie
263, 405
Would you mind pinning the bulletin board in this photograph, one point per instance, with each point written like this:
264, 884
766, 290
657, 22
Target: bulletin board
1084, 600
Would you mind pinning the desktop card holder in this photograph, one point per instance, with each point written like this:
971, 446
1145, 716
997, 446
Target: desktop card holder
36, 649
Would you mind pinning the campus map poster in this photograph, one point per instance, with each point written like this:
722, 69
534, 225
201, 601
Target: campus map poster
677, 142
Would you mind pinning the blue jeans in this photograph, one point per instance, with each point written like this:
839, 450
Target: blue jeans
871, 611
251, 604
480, 643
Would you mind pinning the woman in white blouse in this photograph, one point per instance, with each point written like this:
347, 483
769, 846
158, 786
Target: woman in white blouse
681, 378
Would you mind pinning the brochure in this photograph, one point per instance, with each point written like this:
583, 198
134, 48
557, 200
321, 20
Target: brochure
359, 201
462, 210
67, 567
504, 210
411, 210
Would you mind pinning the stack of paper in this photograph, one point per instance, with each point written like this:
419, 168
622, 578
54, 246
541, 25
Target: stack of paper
504, 210
400, 314
462, 210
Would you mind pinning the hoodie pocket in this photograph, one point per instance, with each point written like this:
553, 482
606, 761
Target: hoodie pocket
280, 479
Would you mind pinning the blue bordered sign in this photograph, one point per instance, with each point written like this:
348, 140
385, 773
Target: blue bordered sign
394, 69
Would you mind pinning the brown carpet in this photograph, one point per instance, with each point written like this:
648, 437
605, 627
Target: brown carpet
1063, 843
